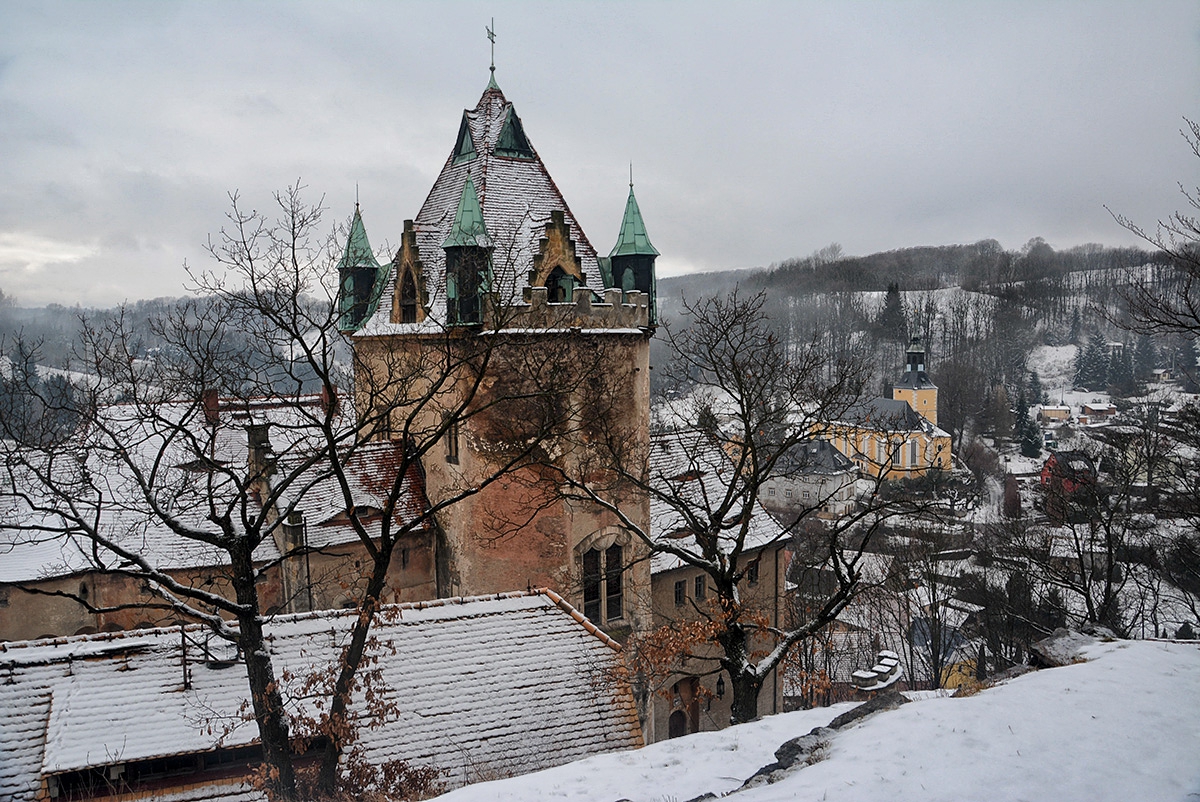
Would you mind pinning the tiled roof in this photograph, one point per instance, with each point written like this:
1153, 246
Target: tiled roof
516, 195
689, 466
125, 516
489, 686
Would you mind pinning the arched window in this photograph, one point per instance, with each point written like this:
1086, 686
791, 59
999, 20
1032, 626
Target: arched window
612, 583
603, 584
408, 298
591, 584
559, 286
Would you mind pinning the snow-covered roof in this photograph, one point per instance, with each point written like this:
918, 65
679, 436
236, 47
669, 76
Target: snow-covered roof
38, 544
488, 686
516, 196
688, 466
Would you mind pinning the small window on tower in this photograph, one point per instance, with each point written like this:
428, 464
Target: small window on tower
452, 442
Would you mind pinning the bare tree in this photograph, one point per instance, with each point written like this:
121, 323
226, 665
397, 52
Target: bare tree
256, 362
1170, 304
743, 403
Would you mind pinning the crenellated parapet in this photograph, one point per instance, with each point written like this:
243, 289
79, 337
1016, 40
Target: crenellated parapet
617, 310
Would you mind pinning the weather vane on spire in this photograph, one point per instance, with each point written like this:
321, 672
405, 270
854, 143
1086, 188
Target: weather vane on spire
491, 32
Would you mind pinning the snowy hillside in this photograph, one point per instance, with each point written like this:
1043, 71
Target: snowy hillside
1121, 726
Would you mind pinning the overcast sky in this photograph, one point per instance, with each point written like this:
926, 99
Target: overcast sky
757, 131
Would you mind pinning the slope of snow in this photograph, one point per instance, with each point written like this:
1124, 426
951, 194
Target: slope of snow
1121, 726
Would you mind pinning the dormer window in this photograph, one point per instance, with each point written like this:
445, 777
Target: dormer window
560, 287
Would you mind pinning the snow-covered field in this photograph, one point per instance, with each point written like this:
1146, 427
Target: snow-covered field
1125, 725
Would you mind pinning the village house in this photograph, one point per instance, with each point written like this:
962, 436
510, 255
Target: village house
693, 696
1054, 413
811, 474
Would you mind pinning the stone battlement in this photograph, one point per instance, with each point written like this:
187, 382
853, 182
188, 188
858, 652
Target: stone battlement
632, 311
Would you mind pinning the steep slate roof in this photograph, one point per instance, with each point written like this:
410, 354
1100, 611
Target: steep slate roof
515, 195
487, 686
688, 465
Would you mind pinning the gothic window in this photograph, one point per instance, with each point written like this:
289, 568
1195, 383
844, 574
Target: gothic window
612, 583
603, 584
559, 286
897, 451
408, 298
912, 452
591, 584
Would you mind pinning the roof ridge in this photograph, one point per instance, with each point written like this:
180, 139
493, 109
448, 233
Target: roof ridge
570, 610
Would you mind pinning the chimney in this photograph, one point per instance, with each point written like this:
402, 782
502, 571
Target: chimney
261, 457
212, 406
329, 399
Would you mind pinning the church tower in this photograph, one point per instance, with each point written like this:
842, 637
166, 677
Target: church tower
495, 260
915, 386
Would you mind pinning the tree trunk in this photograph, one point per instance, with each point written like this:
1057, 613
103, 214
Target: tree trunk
265, 696
745, 697
745, 681
339, 736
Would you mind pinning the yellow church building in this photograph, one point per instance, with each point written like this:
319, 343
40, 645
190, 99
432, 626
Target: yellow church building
897, 437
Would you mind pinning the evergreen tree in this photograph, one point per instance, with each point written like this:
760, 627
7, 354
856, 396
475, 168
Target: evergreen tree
1185, 364
1144, 359
893, 322
1120, 372
1028, 431
1076, 327
1094, 363
1035, 388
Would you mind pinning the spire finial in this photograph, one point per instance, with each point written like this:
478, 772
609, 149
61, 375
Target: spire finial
491, 33
631, 175
356, 196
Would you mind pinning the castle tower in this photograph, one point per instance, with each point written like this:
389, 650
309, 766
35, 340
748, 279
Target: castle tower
630, 264
359, 277
915, 386
495, 256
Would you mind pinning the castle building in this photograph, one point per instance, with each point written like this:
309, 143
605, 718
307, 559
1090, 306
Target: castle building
495, 260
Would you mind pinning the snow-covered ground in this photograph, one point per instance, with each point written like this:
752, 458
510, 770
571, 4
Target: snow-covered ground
1121, 726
